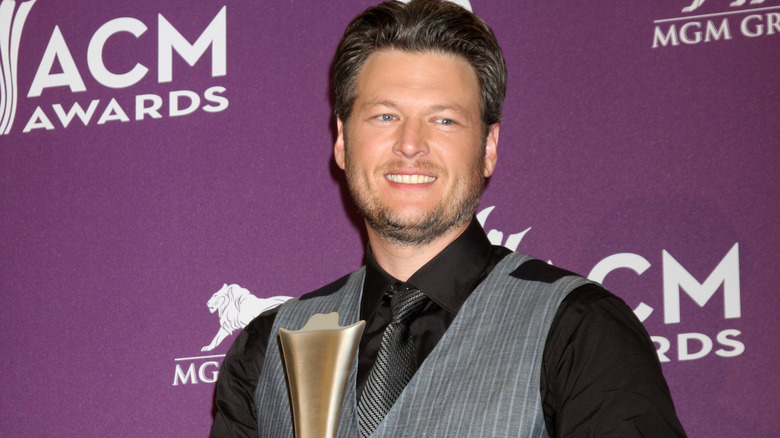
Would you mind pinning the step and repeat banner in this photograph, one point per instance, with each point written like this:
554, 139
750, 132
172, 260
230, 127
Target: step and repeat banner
166, 173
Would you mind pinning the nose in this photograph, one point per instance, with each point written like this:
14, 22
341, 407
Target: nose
412, 142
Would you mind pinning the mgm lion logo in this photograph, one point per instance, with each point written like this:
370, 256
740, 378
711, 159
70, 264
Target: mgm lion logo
236, 307
696, 3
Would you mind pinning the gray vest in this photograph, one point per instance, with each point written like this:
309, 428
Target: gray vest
481, 380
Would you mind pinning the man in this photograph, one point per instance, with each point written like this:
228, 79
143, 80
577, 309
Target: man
496, 343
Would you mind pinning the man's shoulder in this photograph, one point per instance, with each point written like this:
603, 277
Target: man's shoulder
539, 271
328, 289
585, 293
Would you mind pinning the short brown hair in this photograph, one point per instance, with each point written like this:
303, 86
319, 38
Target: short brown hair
421, 26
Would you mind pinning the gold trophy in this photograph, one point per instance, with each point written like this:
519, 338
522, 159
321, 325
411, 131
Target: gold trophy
317, 360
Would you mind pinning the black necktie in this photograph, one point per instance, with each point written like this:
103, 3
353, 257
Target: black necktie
395, 362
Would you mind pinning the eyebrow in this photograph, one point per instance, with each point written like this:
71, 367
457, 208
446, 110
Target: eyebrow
456, 108
433, 108
386, 103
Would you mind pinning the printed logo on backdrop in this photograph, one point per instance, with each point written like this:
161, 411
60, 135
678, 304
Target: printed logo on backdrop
58, 69
235, 307
12, 18
678, 284
728, 20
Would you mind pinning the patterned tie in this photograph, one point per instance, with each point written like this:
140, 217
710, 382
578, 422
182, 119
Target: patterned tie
395, 362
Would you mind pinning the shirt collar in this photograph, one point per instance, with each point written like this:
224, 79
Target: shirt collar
447, 279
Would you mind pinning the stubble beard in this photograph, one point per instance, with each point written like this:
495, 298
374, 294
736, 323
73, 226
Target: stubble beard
449, 213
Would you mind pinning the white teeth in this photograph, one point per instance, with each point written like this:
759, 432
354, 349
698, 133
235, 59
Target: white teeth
410, 179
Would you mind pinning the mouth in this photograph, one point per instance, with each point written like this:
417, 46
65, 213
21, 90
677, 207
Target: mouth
410, 179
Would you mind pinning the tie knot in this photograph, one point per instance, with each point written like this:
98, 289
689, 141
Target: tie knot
405, 302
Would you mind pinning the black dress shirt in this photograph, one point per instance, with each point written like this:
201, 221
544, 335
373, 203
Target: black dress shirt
600, 374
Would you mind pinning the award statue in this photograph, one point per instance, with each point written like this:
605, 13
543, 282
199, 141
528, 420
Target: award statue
317, 360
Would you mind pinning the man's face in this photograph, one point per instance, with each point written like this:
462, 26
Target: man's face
413, 148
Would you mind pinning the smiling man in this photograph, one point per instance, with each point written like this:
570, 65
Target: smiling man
415, 153
462, 338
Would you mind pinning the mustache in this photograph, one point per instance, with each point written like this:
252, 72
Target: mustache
425, 165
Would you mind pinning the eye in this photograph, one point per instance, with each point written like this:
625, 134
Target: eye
386, 117
445, 122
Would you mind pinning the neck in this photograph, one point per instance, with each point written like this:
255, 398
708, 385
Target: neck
401, 261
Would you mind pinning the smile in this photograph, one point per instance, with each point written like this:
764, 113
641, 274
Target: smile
410, 179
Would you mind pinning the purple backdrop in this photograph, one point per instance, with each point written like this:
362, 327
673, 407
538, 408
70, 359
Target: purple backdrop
640, 145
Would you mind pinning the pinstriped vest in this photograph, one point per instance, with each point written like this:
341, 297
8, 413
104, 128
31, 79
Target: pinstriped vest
481, 380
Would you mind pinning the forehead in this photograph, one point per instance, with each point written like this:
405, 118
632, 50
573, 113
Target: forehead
445, 79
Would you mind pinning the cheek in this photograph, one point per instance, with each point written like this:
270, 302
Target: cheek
366, 152
461, 154
358, 163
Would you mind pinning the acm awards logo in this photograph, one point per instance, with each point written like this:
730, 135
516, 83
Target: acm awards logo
12, 20
679, 284
57, 68
740, 19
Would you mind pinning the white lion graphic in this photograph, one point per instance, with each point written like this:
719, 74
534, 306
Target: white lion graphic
237, 307
696, 3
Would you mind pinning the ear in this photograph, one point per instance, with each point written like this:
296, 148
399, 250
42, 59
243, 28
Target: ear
338, 146
491, 146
